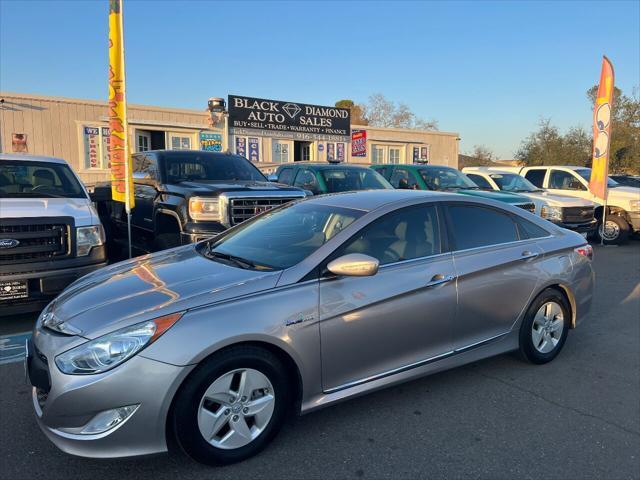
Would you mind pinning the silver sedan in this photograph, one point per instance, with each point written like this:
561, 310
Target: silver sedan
210, 346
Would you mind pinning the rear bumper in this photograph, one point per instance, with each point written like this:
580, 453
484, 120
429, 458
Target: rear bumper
43, 286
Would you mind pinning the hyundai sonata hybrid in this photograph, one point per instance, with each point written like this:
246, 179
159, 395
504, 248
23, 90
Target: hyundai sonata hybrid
210, 346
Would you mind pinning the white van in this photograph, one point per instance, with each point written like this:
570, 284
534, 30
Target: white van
573, 213
623, 204
50, 234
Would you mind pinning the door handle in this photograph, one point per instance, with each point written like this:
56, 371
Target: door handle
439, 279
527, 255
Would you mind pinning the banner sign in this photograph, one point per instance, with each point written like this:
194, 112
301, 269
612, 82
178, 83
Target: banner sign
359, 143
106, 151
602, 132
416, 154
280, 119
340, 152
331, 152
241, 146
254, 150
91, 147
212, 142
121, 173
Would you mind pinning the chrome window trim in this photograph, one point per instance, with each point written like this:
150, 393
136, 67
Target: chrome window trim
502, 244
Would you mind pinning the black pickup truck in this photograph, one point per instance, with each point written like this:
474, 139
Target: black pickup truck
183, 196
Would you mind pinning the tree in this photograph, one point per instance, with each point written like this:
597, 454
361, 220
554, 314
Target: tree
381, 112
357, 111
483, 154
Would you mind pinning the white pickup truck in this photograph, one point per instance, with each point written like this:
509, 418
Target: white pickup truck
623, 204
573, 213
50, 234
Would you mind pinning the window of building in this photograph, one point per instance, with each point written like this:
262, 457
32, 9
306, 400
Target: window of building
536, 177
377, 154
394, 155
95, 145
473, 227
402, 235
179, 141
280, 152
143, 141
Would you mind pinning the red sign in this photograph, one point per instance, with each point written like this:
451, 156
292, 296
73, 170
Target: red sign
359, 143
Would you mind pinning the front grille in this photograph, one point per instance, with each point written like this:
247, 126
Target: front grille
529, 207
37, 241
577, 214
241, 209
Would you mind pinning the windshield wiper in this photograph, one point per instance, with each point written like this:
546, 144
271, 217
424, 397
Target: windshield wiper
238, 261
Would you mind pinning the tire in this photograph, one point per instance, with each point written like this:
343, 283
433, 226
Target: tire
552, 305
166, 241
193, 411
618, 230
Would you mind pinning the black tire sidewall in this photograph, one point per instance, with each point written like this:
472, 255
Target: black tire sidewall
527, 350
624, 230
185, 411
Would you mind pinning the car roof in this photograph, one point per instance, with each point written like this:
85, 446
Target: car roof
369, 200
30, 158
322, 166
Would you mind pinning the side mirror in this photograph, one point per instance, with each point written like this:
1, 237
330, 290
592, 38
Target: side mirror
354, 265
272, 177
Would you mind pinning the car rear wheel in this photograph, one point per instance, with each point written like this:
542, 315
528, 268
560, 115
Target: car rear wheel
616, 230
231, 406
545, 327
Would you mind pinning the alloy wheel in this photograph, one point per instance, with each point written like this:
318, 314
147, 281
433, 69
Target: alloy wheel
236, 408
610, 232
547, 327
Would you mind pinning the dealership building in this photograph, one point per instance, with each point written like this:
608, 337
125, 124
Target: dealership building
267, 132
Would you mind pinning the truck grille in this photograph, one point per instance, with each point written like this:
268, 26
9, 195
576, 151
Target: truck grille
577, 214
241, 209
34, 241
529, 207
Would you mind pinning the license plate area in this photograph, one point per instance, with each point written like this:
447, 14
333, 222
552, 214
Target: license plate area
14, 290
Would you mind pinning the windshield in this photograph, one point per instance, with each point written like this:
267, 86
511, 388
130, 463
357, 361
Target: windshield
445, 178
348, 179
282, 238
510, 182
27, 179
586, 174
208, 167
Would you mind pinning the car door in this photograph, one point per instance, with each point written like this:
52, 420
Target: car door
564, 182
401, 317
146, 179
497, 271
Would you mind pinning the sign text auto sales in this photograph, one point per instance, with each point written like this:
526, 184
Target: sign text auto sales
294, 120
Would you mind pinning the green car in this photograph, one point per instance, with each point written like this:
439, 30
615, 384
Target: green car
319, 178
436, 177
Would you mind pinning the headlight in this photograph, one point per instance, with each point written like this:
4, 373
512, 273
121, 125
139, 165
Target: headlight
204, 208
87, 238
551, 213
635, 205
108, 351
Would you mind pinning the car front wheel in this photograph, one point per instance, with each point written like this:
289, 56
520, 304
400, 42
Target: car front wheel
544, 328
231, 406
616, 230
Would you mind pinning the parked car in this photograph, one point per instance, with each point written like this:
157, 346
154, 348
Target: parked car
444, 179
576, 214
623, 204
211, 346
626, 180
50, 235
182, 196
319, 178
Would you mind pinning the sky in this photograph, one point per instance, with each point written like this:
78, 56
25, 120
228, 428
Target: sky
486, 70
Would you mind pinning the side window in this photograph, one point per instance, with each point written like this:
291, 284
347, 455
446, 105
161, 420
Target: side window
306, 179
286, 176
562, 180
529, 229
402, 235
403, 179
384, 171
479, 180
536, 177
145, 166
473, 227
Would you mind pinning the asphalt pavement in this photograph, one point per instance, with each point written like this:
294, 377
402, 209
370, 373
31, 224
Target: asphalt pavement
577, 417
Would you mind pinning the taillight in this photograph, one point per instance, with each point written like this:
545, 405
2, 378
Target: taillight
585, 251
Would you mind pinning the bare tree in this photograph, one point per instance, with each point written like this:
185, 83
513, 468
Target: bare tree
382, 112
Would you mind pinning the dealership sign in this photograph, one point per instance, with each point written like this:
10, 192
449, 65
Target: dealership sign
359, 143
297, 121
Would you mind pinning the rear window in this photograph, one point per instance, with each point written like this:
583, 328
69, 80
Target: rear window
536, 177
25, 179
349, 179
473, 227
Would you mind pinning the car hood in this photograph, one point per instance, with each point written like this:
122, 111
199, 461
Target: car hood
151, 286
506, 197
235, 186
78, 208
624, 193
556, 200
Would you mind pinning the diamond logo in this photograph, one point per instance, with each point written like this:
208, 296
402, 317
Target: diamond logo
292, 109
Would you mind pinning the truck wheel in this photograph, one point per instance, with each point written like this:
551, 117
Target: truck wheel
165, 241
616, 230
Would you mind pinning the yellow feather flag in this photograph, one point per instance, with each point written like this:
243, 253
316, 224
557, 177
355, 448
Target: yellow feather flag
602, 132
121, 171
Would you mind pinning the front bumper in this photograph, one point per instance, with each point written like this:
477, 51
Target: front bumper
74, 400
196, 231
43, 286
587, 227
634, 220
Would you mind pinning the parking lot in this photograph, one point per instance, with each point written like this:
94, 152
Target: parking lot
577, 417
